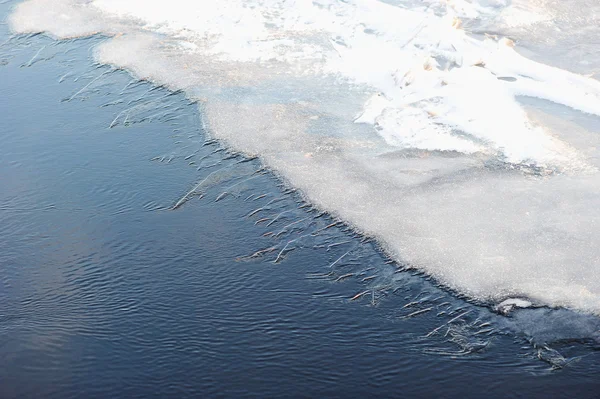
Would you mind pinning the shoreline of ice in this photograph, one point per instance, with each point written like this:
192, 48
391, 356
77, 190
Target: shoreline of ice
445, 195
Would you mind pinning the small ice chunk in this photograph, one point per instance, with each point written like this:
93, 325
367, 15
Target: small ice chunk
508, 305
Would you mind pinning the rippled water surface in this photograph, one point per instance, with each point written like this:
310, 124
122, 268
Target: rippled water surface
139, 258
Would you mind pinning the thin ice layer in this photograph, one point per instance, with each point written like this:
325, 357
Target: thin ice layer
412, 119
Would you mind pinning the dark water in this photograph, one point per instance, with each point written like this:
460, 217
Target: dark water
107, 291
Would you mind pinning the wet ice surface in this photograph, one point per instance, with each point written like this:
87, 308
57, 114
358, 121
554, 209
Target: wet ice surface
143, 258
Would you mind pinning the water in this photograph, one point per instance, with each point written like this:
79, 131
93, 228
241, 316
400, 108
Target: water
106, 290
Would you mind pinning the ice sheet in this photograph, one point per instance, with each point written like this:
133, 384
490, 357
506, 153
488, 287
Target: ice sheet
390, 116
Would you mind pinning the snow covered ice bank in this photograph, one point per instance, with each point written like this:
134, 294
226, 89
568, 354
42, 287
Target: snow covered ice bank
392, 117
